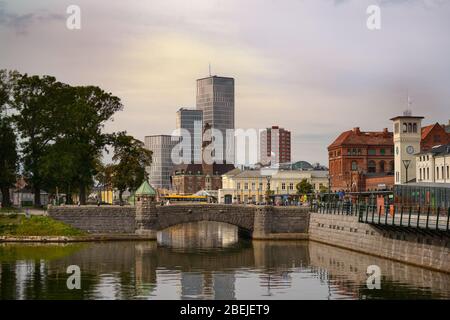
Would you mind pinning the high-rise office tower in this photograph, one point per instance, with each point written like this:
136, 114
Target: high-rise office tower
192, 121
215, 97
161, 167
275, 145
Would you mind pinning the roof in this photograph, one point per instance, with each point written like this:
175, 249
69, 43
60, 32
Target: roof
438, 150
233, 172
145, 189
302, 165
407, 117
356, 137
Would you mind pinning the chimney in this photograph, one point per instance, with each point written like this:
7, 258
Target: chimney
356, 130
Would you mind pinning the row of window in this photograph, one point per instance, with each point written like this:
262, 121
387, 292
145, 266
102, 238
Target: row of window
410, 127
358, 152
441, 173
372, 166
290, 186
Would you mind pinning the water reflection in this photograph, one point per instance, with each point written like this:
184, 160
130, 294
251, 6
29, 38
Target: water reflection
203, 234
183, 267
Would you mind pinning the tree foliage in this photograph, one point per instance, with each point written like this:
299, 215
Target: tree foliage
304, 187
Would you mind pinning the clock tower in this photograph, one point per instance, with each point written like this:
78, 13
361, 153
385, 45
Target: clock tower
407, 136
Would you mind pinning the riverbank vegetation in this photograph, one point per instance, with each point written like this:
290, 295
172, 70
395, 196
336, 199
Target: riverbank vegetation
19, 225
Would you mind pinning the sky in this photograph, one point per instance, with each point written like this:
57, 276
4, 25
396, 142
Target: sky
310, 66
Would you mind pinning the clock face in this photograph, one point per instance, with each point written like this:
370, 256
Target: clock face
410, 149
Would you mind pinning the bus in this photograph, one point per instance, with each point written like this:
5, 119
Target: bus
176, 198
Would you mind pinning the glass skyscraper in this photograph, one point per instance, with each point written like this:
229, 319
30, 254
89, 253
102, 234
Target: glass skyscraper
192, 121
215, 97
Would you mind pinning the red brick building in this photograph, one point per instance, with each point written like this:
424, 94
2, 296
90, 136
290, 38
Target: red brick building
272, 139
362, 161
432, 135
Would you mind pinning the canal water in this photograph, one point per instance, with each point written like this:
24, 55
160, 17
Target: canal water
207, 260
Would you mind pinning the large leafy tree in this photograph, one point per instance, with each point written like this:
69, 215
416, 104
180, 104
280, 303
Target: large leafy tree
8, 139
38, 102
131, 158
91, 108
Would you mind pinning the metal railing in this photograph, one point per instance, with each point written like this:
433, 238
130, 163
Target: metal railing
428, 218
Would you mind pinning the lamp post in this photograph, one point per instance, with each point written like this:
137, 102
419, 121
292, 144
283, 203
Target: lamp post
329, 186
268, 188
406, 163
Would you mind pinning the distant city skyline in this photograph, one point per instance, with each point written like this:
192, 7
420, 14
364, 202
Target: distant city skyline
315, 69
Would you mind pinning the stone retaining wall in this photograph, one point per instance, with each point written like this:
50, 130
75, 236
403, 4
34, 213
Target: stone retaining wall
345, 231
96, 219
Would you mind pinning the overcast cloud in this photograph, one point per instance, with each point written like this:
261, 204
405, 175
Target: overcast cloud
310, 66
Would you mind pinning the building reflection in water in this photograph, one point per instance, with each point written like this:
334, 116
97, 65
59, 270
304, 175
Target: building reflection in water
207, 261
203, 234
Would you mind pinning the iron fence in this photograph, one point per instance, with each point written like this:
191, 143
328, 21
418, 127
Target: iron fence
429, 218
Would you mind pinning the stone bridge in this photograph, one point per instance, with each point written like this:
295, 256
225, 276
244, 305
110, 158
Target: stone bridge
257, 222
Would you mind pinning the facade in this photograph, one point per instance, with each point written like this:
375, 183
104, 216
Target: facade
250, 186
275, 145
189, 179
160, 169
192, 121
407, 142
433, 166
215, 98
362, 161
433, 135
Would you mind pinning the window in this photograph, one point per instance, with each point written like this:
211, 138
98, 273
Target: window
405, 128
372, 152
372, 167
448, 172
420, 173
246, 186
253, 186
354, 166
291, 185
415, 127
383, 151
428, 173
260, 186
283, 186
382, 165
238, 186
437, 173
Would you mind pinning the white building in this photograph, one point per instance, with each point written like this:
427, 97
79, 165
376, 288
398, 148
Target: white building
434, 165
407, 137
250, 186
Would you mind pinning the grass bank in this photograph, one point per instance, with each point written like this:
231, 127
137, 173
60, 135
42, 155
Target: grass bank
19, 225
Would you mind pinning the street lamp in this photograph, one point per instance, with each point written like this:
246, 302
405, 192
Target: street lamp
406, 163
329, 186
268, 187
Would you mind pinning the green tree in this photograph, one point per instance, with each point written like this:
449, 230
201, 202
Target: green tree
91, 109
131, 158
8, 139
304, 187
37, 102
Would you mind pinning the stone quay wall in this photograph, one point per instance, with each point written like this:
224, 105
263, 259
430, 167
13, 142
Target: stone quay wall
97, 219
411, 247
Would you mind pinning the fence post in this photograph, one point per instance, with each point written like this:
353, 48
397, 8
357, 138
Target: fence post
418, 217
448, 217
379, 215
367, 212
393, 218
409, 218
373, 212
437, 218
401, 216
428, 216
